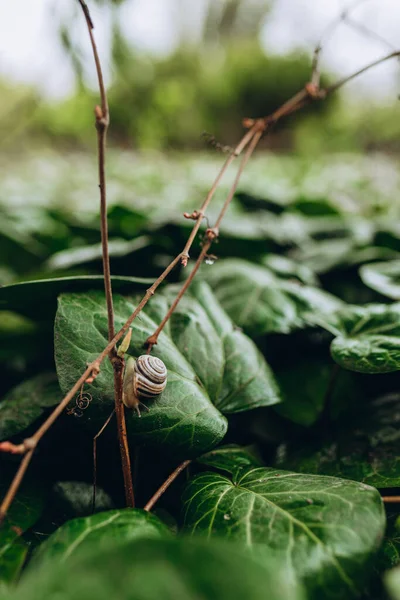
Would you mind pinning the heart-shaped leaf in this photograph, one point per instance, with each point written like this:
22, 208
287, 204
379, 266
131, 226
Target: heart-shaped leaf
208, 361
100, 530
383, 277
26, 403
367, 338
260, 302
316, 524
144, 569
365, 448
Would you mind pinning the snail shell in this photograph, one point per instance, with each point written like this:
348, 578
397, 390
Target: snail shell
145, 377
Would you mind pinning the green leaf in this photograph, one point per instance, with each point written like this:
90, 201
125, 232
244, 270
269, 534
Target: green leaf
227, 362
304, 387
316, 524
383, 277
260, 302
182, 419
392, 583
25, 510
36, 299
100, 531
173, 569
367, 337
229, 458
74, 498
389, 554
26, 403
290, 269
13, 551
65, 259
365, 447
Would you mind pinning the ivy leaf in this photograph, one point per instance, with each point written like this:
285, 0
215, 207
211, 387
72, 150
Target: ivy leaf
141, 569
230, 366
260, 302
290, 269
316, 524
383, 277
182, 419
26, 403
25, 510
365, 447
367, 338
208, 361
35, 299
229, 458
99, 530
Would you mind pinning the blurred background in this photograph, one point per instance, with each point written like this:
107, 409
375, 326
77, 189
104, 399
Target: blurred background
176, 68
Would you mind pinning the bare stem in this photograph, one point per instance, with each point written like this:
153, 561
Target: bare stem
310, 92
166, 485
332, 88
102, 123
16, 482
391, 499
211, 234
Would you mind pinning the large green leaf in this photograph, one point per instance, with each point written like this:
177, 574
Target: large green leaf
208, 361
172, 569
364, 448
316, 524
383, 277
260, 302
100, 530
25, 403
182, 419
37, 299
367, 338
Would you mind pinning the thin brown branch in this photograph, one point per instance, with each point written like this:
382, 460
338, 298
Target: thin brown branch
166, 485
102, 123
325, 37
310, 92
200, 214
211, 235
16, 482
391, 499
341, 82
369, 33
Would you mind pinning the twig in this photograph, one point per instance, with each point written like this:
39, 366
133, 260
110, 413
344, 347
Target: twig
310, 92
332, 88
391, 499
102, 123
166, 485
200, 214
211, 235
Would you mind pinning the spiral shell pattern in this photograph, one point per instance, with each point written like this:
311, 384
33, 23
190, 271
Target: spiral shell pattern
150, 376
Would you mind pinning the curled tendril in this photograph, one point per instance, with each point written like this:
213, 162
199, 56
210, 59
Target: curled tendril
82, 402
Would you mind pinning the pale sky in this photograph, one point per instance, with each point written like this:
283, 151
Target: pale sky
30, 50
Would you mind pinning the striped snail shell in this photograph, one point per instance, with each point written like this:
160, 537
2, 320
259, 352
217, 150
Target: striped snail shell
145, 377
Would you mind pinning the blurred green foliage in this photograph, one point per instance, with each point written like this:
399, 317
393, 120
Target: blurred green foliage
169, 103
